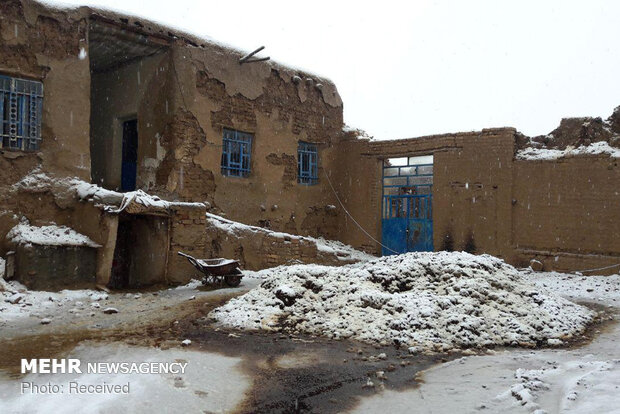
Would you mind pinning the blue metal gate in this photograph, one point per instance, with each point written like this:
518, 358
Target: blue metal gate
407, 207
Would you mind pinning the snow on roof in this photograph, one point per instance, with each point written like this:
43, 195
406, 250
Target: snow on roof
428, 301
601, 148
339, 249
49, 236
359, 133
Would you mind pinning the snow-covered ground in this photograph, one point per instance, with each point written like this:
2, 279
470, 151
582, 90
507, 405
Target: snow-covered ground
24, 311
426, 301
579, 380
211, 383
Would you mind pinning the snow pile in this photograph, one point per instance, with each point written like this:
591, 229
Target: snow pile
601, 148
342, 251
48, 236
427, 301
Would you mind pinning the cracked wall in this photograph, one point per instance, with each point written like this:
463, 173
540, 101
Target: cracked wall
280, 107
42, 44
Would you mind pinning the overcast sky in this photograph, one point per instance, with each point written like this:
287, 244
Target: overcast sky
422, 67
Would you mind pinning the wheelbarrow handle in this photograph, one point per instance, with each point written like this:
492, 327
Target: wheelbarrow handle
193, 261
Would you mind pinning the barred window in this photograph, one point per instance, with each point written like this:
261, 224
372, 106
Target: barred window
21, 103
307, 163
236, 153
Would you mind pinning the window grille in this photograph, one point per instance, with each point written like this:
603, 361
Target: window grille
236, 153
307, 163
21, 104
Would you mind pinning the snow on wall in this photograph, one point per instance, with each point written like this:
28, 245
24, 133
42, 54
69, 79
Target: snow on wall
49, 236
538, 154
111, 201
341, 250
427, 301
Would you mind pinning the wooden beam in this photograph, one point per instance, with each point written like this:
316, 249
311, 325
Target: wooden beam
246, 58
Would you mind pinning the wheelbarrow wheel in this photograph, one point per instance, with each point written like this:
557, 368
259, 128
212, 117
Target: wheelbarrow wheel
233, 280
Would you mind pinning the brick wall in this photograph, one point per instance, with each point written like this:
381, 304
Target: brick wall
567, 212
187, 235
564, 212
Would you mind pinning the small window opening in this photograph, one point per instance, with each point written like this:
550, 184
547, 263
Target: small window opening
307, 164
21, 104
236, 153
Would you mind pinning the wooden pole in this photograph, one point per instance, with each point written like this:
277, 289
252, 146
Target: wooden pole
246, 58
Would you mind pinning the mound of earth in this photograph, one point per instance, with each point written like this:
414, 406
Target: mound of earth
426, 301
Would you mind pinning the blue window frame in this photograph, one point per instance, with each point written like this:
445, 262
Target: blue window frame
236, 153
21, 104
307, 163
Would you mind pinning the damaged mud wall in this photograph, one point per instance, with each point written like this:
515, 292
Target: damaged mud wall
49, 46
44, 200
44, 45
188, 235
279, 107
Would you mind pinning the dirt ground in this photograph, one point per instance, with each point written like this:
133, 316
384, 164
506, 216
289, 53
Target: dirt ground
255, 371
288, 373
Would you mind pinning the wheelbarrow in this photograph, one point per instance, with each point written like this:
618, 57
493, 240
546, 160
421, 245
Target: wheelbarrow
217, 270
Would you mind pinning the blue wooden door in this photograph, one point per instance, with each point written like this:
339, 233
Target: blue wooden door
129, 165
407, 216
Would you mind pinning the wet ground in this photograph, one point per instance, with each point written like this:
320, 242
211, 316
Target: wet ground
294, 374
290, 374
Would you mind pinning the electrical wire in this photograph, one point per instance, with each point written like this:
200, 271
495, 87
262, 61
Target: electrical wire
355, 221
594, 270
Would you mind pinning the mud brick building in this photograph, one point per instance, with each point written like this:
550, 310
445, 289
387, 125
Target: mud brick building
129, 107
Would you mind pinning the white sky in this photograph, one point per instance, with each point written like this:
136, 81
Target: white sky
422, 67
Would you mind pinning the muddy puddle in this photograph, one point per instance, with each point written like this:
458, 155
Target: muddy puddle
298, 374
291, 374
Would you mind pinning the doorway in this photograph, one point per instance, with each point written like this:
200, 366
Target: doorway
407, 207
130, 155
140, 255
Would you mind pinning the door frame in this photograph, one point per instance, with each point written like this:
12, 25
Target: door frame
407, 207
